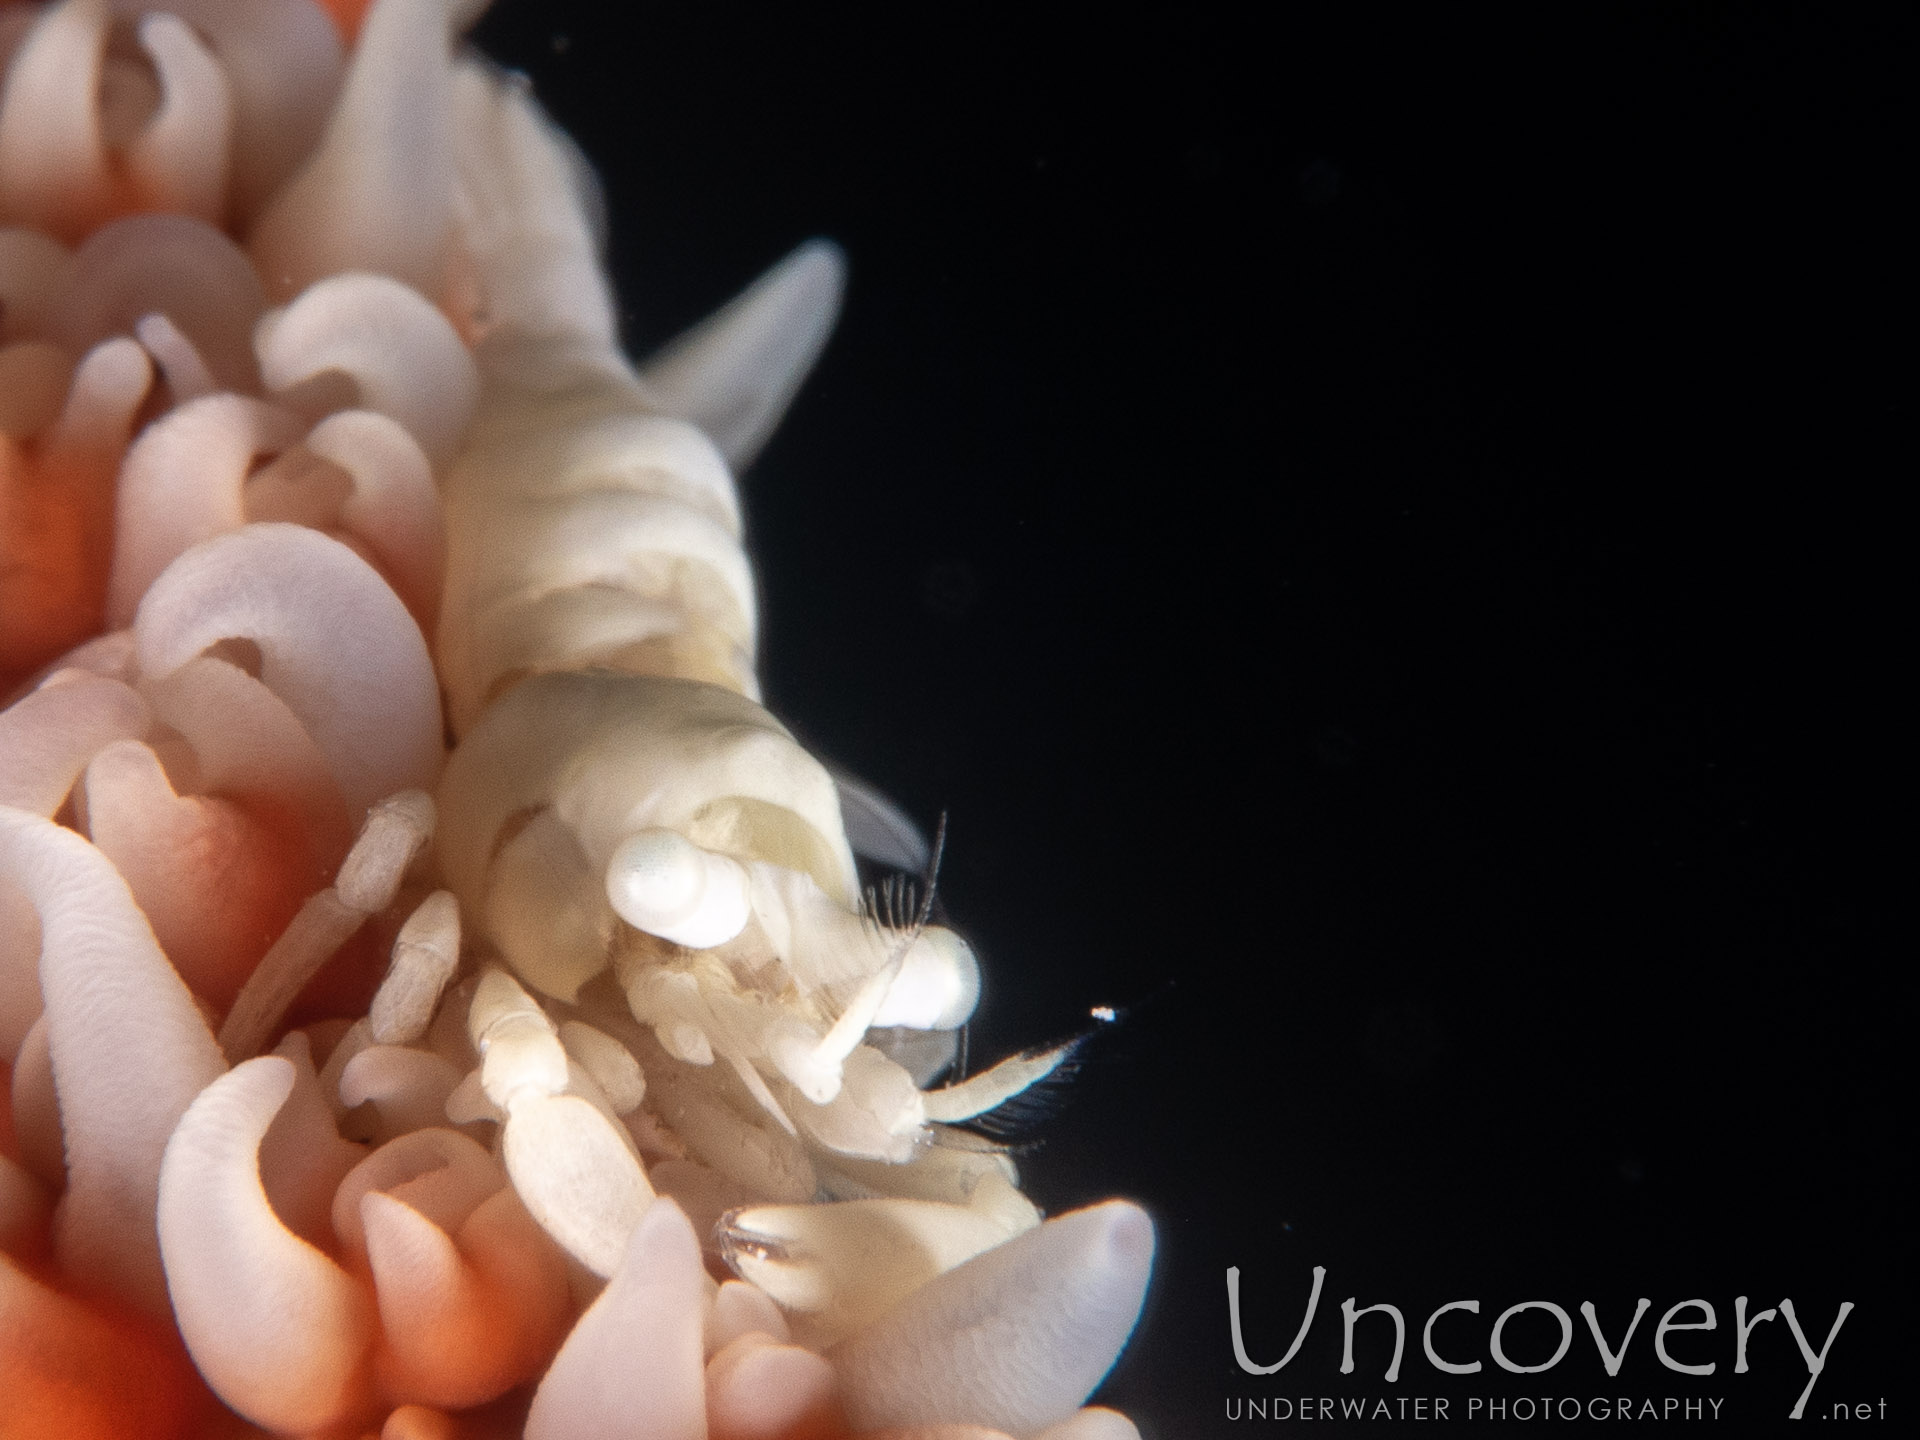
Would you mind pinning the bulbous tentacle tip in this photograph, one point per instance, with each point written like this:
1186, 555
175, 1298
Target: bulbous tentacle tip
376, 192
279, 1330
633, 1365
129, 1052
1128, 1230
1015, 1339
759, 1389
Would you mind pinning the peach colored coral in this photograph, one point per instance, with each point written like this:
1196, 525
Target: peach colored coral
564, 1086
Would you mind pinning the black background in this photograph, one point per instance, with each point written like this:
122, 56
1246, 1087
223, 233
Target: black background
1383, 534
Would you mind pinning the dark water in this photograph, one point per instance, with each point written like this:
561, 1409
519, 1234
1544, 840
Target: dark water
1383, 534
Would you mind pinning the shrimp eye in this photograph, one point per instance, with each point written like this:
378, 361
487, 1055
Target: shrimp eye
660, 882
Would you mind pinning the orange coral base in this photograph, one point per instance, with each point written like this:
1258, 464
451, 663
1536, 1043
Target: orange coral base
71, 1371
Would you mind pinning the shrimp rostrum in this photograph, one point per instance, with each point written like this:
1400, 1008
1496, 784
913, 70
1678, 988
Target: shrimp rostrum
657, 874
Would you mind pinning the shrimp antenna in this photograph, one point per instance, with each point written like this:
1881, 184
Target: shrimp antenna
933, 876
894, 897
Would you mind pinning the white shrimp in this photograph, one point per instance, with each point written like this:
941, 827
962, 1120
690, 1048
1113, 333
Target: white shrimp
622, 822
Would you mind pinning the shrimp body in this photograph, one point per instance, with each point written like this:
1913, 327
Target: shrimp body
619, 803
